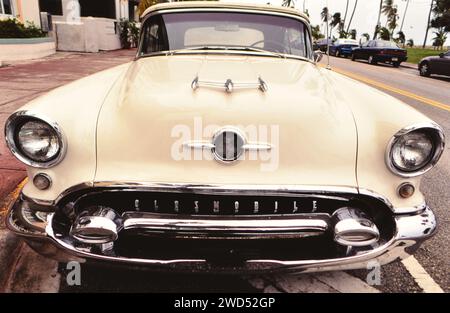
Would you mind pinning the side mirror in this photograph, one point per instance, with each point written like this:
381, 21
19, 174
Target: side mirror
318, 55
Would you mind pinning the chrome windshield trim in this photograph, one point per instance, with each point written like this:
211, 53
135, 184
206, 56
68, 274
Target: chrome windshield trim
181, 52
300, 18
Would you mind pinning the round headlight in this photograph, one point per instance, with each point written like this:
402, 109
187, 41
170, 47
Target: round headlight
415, 150
412, 151
38, 141
34, 140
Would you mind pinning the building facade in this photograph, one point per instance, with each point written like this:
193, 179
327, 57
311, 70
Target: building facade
76, 25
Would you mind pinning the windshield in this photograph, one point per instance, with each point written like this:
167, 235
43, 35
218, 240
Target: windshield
221, 31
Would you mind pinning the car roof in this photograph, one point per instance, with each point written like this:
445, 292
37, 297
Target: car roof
347, 41
224, 5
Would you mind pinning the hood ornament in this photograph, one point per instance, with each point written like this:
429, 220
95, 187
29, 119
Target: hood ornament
227, 145
229, 85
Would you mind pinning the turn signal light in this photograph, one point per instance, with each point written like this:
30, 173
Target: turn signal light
406, 190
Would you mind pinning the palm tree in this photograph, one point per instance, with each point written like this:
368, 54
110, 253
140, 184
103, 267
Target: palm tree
353, 34
410, 43
325, 15
315, 32
288, 3
336, 20
366, 35
401, 38
428, 24
345, 14
387, 8
385, 34
392, 22
404, 14
440, 38
390, 10
377, 27
351, 17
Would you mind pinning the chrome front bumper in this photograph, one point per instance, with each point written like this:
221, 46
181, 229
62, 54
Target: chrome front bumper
411, 230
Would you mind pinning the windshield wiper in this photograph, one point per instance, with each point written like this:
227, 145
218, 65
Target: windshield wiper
243, 48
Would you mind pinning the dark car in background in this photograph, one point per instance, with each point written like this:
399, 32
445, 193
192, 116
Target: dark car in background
321, 45
435, 65
380, 51
343, 47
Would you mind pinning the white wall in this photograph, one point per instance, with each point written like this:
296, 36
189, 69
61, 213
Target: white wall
122, 9
30, 12
14, 52
91, 35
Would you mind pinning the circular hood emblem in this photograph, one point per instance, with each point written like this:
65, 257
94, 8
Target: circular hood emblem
228, 145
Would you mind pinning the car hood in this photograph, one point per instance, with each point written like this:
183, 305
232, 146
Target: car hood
147, 120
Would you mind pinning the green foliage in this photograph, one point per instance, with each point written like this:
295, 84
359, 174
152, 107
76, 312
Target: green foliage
384, 33
129, 34
366, 35
325, 15
288, 3
390, 10
13, 28
343, 34
353, 34
401, 38
440, 38
441, 15
410, 43
316, 34
336, 19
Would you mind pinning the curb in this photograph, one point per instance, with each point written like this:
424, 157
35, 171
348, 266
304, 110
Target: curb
409, 65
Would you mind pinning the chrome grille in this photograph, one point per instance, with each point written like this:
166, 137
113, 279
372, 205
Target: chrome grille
212, 204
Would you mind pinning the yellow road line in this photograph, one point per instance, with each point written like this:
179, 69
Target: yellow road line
402, 92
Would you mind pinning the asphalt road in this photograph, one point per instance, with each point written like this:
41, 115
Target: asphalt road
30, 272
430, 96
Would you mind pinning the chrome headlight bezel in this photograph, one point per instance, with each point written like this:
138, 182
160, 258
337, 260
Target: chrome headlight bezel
438, 140
12, 127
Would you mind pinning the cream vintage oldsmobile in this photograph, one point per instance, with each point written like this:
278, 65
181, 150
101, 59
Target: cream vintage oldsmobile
224, 147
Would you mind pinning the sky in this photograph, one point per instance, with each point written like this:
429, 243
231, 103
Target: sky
366, 15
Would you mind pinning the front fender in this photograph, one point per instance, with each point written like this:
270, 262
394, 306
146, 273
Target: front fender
74, 108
